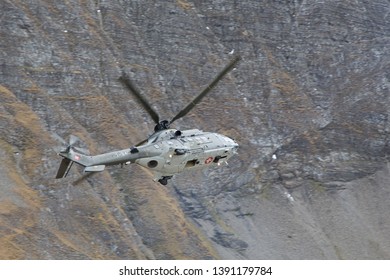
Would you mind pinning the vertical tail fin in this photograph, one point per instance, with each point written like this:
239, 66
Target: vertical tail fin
65, 166
70, 155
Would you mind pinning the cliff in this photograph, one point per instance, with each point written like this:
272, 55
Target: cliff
308, 104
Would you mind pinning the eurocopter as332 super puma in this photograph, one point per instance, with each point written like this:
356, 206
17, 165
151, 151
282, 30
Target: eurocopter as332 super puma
167, 151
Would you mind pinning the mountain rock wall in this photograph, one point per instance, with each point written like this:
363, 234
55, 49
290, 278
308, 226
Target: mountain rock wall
308, 104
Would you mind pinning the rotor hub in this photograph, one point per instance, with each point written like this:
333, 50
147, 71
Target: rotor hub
162, 125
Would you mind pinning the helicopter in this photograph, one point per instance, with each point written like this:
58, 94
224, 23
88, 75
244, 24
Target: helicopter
166, 151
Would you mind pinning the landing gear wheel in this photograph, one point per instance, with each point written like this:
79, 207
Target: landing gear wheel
164, 180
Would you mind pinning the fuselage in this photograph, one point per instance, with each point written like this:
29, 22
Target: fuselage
166, 153
188, 149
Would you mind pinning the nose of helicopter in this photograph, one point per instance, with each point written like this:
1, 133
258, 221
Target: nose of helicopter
231, 142
235, 145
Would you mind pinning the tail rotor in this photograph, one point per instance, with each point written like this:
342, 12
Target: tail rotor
71, 144
66, 152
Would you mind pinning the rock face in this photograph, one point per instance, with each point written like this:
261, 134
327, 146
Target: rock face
309, 105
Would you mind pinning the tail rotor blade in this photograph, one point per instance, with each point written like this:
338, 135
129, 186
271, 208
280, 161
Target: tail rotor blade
73, 139
60, 149
197, 99
126, 81
59, 139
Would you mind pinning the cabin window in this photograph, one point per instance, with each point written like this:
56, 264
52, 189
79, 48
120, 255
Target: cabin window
153, 163
192, 163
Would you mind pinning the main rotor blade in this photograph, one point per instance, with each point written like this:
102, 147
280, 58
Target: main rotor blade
126, 81
142, 142
82, 178
197, 99
57, 137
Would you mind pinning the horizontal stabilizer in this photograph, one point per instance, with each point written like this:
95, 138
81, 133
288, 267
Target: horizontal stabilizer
94, 168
